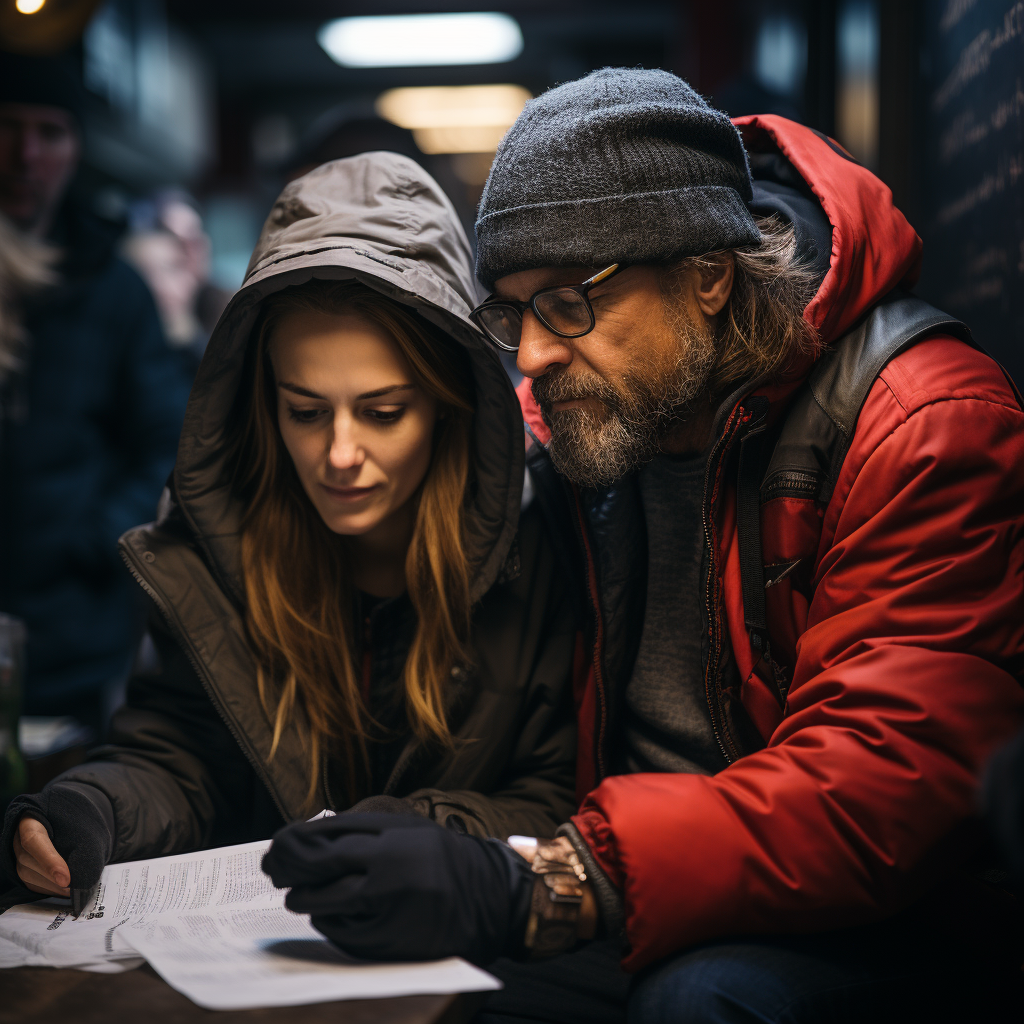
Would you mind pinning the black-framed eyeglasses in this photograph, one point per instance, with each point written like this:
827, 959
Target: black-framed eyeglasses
563, 309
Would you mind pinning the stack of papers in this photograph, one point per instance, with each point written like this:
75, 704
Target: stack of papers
215, 928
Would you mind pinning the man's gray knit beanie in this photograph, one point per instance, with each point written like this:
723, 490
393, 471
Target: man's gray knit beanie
624, 165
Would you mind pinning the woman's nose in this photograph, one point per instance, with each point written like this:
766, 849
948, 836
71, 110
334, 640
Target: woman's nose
346, 451
539, 349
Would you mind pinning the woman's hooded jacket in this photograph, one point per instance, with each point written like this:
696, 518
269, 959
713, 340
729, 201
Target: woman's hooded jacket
189, 764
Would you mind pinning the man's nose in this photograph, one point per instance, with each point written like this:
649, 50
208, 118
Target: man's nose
539, 349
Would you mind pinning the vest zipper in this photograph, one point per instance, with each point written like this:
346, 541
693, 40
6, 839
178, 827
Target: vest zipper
712, 585
602, 702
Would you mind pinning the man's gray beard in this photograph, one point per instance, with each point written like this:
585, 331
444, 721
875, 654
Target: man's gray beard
643, 407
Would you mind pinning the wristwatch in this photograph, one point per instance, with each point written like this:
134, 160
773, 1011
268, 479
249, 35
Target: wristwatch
557, 894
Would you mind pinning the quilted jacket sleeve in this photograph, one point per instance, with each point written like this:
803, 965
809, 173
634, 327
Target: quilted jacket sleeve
907, 677
173, 774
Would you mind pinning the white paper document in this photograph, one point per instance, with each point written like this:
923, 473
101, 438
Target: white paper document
215, 928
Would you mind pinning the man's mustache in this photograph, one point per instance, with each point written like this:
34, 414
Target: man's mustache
562, 386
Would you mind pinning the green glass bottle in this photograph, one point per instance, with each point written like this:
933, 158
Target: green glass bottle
13, 772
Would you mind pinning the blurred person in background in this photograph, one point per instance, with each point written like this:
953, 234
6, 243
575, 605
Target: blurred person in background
25, 266
177, 213
162, 260
92, 416
348, 130
168, 245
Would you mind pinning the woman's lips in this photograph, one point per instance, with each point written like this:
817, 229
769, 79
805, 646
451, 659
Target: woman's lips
350, 494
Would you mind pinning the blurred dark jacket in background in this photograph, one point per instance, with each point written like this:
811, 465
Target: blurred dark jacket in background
90, 437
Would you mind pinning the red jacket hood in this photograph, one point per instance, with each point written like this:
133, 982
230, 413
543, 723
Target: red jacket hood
874, 248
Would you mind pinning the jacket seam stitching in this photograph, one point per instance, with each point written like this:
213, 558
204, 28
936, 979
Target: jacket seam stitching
938, 399
910, 416
896, 398
829, 511
951, 398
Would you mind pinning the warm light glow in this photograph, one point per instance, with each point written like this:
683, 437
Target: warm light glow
452, 106
456, 118
420, 40
29, 6
472, 139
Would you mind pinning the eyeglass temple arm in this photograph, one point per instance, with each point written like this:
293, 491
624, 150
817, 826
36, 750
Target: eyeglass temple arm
601, 275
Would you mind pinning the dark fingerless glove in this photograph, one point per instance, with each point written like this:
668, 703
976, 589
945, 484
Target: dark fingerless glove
80, 822
396, 887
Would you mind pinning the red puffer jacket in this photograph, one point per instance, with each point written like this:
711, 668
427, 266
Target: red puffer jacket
903, 636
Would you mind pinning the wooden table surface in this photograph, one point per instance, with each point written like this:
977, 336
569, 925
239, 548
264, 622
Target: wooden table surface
45, 995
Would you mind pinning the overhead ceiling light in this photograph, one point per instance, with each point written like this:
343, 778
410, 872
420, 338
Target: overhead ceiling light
445, 106
29, 6
471, 139
420, 40
455, 118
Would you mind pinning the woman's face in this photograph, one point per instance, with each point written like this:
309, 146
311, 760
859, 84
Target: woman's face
357, 426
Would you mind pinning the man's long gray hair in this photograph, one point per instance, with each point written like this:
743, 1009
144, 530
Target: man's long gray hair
762, 328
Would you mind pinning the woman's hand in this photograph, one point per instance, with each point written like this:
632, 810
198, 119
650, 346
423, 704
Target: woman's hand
40, 866
58, 841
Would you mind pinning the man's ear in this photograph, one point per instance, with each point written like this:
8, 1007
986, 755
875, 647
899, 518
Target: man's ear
714, 285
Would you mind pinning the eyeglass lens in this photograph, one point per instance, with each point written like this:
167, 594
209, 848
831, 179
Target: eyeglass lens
504, 324
563, 311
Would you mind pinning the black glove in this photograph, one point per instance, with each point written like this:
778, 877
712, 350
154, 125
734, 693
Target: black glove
392, 887
80, 823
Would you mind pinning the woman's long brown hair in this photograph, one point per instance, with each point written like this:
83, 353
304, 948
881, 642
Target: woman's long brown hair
300, 597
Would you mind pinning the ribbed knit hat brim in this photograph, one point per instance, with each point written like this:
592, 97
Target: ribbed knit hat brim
623, 165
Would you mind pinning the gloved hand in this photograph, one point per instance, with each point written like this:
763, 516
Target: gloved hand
392, 887
79, 823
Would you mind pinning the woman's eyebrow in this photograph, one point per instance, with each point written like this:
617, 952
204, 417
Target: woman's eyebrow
385, 391
295, 389
306, 393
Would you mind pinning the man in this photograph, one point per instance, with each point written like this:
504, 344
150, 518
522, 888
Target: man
824, 780
91, 421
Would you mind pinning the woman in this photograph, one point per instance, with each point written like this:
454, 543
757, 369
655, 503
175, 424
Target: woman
347, 607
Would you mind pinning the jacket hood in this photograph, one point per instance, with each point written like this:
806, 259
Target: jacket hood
873, 248
380, 219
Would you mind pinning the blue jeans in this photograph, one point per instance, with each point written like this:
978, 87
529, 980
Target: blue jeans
875, 974
824, 980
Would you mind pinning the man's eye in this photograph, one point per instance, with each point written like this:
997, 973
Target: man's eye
387, 415
304, 415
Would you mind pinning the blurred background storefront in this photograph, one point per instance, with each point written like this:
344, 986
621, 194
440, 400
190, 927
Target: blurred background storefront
199, 110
